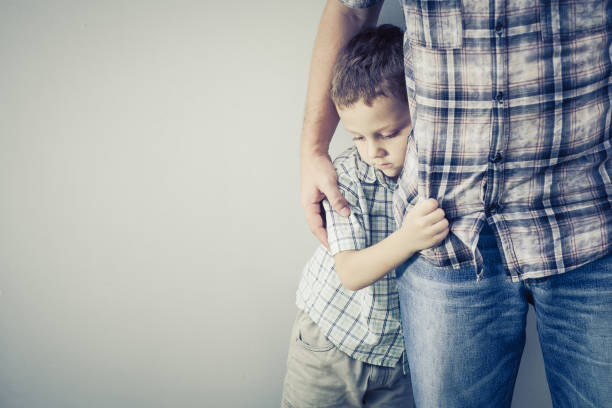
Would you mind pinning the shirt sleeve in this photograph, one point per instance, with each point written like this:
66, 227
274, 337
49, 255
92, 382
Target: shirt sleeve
345, 233
361, 3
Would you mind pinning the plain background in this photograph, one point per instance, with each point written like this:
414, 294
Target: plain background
151, 235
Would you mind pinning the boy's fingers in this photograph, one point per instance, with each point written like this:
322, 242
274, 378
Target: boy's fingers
425, 207
440, 226
439, 237
442, 234
435, 216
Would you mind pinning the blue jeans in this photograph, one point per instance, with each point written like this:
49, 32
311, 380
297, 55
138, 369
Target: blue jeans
464, 338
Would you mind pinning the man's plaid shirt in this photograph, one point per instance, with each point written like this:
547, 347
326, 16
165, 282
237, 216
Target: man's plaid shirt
364, 324
510, 101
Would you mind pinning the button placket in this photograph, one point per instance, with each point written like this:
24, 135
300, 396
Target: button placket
496, 157
499, 28
499, 97
493, 208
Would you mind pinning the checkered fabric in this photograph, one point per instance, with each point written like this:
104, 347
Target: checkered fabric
510, 101
364, 324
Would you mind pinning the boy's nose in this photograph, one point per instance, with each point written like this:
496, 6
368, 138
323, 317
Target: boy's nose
374, 150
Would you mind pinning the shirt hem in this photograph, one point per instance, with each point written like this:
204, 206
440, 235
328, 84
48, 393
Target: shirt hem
352, 352
547, 273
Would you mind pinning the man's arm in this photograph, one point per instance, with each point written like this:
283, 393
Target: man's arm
338, 25
423, 227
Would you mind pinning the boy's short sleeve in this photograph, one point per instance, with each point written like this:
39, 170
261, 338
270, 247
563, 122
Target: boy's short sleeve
345, 233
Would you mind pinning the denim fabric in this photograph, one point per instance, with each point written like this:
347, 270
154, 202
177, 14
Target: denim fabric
464, 338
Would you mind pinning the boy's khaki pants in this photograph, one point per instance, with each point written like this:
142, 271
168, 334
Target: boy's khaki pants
319, 375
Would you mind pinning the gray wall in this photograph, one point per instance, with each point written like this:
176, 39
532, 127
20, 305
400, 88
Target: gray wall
151, 236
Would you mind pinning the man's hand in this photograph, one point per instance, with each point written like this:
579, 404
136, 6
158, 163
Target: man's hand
319, 180
425, 225
339, 23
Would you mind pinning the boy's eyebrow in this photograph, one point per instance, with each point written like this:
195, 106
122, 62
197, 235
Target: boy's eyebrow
377, 131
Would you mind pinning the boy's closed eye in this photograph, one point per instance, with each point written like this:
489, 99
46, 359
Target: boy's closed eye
391, 135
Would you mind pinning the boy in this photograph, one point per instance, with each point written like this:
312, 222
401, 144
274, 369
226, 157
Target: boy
346, 346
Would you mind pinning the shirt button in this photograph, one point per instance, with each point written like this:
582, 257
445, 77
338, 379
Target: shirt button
499, 97
499, 27
497, 158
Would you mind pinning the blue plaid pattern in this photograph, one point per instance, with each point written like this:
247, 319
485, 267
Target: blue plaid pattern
364, 324
512, 118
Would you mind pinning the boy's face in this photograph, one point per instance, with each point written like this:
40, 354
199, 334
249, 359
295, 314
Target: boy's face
380, 132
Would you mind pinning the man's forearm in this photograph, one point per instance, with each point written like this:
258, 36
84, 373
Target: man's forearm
338, 25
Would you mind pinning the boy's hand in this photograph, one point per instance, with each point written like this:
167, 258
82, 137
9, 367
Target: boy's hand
425, 225
319, 180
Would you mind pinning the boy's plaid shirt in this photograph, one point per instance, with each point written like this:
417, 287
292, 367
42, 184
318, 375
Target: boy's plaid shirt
364, 324
510, 101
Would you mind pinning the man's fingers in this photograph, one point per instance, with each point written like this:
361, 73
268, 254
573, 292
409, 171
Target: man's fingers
336, 200
321, 234
316, 223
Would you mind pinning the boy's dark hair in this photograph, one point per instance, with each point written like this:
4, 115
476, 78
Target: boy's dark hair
371, 65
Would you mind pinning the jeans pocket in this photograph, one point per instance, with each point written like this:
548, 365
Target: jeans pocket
568, 19
434, 23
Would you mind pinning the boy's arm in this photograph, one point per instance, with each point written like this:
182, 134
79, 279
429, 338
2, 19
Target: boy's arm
338, 25
423, 227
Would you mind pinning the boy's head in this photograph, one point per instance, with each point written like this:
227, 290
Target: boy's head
369, 92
